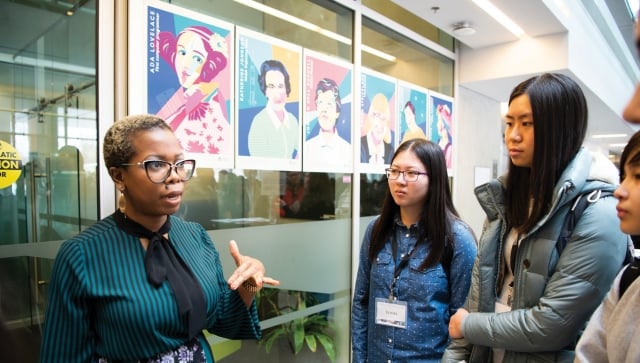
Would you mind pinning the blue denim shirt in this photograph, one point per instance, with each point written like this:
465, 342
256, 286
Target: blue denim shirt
429, 304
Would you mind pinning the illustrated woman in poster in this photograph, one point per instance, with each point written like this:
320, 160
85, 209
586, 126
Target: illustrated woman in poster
197, 112
444, 131
413, 130
376, 147
274, 131
327, 145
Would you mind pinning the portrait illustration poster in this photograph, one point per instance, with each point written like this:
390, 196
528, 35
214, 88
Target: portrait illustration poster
189, 82
327, 104
378, 121
442, 123
412, 112
268, 79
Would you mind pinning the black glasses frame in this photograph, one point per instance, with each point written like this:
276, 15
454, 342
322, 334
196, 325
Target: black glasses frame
417, 174
178, 165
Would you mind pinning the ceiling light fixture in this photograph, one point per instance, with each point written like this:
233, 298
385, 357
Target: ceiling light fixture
608, 136
463, 29
500, 17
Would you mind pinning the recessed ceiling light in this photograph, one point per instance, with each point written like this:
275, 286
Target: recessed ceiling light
500, 17
608, 136
463, 29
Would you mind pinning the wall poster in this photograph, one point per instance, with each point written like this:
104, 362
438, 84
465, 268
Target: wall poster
188, 77
269, 132
412, 112
378, 123
442, 124
328, 101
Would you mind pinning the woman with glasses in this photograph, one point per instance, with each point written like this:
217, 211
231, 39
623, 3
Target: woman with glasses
415, 263
142, 285
274, 131
527, 302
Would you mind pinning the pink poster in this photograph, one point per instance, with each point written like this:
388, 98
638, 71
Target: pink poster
189, 67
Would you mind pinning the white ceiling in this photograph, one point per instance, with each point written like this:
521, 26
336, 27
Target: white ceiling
536, 20
531, 15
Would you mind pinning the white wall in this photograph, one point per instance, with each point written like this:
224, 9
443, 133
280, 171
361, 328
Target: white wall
487, 75
479, 144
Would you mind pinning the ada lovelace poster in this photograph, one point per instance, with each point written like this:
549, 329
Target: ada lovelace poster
189, 67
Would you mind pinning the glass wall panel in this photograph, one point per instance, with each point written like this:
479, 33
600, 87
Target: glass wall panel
48, 115
410, 62
297, 222
413, 22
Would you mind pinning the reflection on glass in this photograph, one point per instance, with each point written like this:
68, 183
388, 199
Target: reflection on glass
415, 63
373, 188
231, 198
49, 105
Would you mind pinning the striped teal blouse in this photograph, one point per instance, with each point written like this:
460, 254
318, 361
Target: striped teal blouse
101, 304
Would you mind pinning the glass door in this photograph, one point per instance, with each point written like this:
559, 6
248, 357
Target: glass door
48, 151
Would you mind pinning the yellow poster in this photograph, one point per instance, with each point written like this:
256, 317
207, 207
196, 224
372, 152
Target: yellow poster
10, 165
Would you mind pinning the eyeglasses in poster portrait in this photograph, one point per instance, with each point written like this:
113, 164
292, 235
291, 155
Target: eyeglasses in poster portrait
188, 67
268, 78
328, 95
378, 122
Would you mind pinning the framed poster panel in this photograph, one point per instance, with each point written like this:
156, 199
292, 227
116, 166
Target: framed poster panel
327, 104
412, 112
185, 72
268, 79
378, 122
442, 124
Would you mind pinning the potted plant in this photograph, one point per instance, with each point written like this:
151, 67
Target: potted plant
311, 330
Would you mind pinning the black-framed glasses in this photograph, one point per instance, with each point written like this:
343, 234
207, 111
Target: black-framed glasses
409, 175
159, 170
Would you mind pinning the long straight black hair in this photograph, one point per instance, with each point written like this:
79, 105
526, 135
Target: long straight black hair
560, 124
438, 212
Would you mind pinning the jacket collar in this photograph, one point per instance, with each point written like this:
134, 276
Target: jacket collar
586, 172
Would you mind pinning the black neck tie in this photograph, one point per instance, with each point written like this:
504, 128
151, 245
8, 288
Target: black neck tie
161, 264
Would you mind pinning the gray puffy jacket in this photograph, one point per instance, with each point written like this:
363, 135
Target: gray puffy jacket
554, 295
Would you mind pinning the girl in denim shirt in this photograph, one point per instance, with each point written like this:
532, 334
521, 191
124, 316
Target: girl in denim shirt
415, 263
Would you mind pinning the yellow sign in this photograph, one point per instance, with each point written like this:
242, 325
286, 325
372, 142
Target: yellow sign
10, 165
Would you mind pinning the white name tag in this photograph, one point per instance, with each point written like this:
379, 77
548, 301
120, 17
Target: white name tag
391, 313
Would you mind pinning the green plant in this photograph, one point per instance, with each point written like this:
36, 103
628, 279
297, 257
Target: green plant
309, 330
